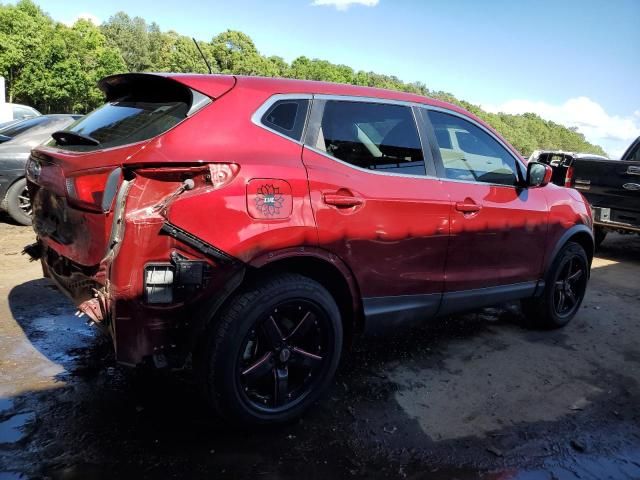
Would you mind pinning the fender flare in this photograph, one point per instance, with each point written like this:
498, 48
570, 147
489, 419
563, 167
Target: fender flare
319, 254
562, 241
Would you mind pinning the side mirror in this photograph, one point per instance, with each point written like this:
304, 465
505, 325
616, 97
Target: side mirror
538, 174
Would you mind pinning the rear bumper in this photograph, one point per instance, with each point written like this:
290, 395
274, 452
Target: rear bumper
616, 219
113, 295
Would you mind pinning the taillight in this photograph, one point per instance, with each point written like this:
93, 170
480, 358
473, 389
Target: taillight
93, 191
568, 177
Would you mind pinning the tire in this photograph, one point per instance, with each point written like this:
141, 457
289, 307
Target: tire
599, 234
258, 374
565, 287
17, 203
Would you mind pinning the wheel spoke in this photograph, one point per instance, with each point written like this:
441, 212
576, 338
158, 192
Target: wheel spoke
302, 327
259, 369
561, 302
272, 332
575, 276
305, 359
571, 296
570, 267
281, 385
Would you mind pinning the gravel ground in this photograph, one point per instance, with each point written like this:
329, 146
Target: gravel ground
471, 396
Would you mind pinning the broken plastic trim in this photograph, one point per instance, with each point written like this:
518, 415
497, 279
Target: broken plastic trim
197, 244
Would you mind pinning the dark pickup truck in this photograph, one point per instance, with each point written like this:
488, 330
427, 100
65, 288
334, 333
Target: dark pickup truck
611, 186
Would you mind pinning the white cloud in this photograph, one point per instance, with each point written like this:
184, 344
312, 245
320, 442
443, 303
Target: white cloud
613, 132
85, 16
344, 4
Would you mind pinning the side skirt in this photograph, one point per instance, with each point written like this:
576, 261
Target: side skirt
384, 314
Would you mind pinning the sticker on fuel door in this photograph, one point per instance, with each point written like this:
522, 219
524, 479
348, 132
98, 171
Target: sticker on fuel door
269, 198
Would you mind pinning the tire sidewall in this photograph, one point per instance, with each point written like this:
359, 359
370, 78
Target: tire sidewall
13, 202
574, 250
223, 380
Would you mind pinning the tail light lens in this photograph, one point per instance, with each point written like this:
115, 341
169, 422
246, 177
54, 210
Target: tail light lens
568, 178
93, 191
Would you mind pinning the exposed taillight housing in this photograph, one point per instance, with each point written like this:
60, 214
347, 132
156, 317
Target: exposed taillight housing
568, 177
94, 190
223, 173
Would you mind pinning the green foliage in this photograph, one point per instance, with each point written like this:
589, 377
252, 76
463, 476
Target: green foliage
55, 68
51, 66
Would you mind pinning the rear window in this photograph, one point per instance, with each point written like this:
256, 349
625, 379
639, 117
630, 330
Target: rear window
126, 121
138, 110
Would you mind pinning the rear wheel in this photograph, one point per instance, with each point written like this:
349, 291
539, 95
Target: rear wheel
564, 291
18, 203
273, 351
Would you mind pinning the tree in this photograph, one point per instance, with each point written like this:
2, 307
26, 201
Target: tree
131, 37
55, 68
24, 28
51, 66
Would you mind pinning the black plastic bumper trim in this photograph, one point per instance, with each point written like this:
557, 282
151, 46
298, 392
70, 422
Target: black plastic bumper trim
196, 243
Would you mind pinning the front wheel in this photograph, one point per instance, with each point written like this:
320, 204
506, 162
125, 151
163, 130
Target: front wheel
273, 351
565, 287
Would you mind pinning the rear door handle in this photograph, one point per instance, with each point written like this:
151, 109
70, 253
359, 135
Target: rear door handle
468, 207
339, 200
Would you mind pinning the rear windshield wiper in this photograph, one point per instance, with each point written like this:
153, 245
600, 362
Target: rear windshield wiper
73, 138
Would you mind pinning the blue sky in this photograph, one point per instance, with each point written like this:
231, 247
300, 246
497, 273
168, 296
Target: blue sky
575, 62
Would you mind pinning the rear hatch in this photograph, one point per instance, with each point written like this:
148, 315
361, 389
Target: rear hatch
74, 178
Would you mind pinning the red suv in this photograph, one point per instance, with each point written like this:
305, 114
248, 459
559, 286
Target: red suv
252, 225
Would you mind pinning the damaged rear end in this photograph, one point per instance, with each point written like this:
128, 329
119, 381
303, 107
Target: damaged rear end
101, 191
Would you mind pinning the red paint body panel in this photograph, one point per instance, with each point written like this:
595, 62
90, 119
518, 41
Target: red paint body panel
499, 244
387, 235
395, 240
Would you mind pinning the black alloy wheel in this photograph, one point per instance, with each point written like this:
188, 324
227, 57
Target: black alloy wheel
272, 351
283, 356
570, 286
565, 288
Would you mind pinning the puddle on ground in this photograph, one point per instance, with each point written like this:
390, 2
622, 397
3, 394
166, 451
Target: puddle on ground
14, 428
12, 476
6, 404
618, 465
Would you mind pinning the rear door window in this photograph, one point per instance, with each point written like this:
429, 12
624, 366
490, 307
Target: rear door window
373, 136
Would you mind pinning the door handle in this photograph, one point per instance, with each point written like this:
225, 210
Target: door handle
339, 200
468, 207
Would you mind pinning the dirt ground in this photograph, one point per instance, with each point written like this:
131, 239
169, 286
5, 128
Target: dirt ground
472, 396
